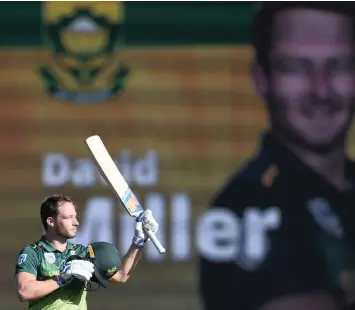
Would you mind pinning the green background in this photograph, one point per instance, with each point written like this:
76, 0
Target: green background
156, 23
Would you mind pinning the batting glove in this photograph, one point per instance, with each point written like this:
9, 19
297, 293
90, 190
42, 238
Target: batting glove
145, 223
80, 269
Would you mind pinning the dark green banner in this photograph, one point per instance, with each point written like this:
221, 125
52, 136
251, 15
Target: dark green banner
147, 23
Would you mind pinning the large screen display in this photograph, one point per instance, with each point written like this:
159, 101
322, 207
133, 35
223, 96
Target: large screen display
178, 122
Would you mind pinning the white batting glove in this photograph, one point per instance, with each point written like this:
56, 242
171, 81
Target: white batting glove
145, 223
80, 269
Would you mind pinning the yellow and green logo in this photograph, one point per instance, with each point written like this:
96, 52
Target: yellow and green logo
111, 272
83, 37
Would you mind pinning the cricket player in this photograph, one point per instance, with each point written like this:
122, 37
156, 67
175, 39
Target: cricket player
54, 274
294, 202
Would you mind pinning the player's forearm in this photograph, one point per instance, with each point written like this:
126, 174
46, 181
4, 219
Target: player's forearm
129, 262
33, 290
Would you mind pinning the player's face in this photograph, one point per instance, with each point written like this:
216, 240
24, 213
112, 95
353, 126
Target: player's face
311, 84
66, 222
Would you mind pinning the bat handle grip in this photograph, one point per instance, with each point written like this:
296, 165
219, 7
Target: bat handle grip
156, 242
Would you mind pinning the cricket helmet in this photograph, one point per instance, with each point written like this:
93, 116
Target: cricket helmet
106, 260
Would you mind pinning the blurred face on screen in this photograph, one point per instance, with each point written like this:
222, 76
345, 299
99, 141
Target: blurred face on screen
310, 87
66, 222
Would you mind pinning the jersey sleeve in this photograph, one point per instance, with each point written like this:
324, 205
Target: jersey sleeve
290, 261
27, 261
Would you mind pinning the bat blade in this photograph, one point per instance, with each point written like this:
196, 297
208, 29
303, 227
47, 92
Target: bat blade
114, 178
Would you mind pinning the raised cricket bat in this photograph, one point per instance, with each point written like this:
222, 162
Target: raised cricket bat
114, 178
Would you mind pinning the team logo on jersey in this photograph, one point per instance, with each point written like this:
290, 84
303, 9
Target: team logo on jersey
21, 259
84, 67
324, 216
72, 252
50, 257
269, 176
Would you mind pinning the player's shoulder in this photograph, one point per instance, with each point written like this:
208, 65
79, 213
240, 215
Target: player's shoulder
78, 249
77, 246
249, 184
32, 248
29, 252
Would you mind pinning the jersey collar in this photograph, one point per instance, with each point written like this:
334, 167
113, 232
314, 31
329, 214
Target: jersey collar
295, 169
50, 248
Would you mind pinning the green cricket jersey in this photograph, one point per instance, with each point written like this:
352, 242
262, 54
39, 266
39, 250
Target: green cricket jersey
295, 234
44, 261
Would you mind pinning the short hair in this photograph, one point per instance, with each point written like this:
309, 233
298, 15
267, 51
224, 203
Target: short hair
264, 18
49, 207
